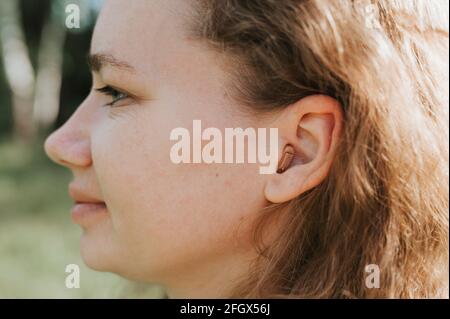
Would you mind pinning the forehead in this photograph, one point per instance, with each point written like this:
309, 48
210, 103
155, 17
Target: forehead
141, 30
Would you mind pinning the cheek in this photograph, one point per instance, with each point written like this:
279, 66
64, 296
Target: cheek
127, 159
158, 208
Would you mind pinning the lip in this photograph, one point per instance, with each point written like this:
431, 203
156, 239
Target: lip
87, 208
86, 213
82, 196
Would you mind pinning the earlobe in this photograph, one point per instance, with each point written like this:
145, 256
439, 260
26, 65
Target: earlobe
311, 127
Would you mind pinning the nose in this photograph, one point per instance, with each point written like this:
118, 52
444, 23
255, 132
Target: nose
70, 145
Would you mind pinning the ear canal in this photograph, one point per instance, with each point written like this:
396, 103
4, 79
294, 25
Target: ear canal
286, 158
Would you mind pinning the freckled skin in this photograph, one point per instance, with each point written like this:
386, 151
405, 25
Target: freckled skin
179, 225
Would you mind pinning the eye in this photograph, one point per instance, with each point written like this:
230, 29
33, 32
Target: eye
113, 93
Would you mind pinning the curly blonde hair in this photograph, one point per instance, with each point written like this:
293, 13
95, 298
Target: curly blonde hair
385, 201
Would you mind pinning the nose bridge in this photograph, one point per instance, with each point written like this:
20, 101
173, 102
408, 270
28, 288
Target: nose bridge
70, 144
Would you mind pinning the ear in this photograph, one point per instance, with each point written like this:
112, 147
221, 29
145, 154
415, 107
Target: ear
313, 127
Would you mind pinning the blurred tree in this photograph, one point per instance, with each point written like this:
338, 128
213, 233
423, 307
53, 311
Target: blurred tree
33, 55
49, 73
18, 68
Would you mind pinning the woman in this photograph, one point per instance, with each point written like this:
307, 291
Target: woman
357, 93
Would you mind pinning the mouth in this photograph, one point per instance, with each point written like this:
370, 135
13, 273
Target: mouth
86, 208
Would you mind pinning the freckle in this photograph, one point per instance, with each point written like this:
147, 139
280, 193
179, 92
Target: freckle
217, 174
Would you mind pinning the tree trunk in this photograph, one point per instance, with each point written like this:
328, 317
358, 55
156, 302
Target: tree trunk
18, 68
49, 74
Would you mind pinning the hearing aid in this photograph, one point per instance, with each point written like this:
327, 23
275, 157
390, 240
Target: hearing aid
286, 158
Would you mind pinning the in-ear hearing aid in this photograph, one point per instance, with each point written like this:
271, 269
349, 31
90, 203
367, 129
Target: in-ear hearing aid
286, 158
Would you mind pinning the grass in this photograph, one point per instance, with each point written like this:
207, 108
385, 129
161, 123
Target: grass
37, 238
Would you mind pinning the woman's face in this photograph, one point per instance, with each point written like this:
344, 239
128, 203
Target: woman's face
163, 220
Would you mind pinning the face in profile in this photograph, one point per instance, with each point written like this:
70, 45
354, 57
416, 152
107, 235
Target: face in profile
342, 196
143, 216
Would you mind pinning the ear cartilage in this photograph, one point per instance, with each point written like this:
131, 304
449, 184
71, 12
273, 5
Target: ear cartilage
286, 158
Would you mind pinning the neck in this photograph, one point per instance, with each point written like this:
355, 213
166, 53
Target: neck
215, 279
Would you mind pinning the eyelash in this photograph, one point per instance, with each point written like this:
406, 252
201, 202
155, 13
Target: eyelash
114, 93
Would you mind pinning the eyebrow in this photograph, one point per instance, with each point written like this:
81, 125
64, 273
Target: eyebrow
97, 61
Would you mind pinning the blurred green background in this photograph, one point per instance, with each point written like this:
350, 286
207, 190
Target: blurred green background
43, 78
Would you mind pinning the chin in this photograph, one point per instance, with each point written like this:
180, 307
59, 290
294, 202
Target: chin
100, 254
96, 252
